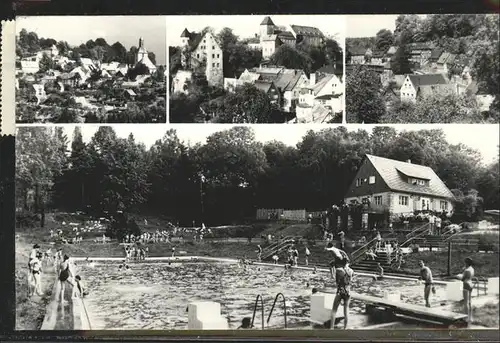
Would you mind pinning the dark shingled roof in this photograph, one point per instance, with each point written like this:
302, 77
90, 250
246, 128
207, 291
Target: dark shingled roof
285, 35
329, 69
379, 53
436, 53
307, 31
263, 85
185, 33
427, 79
267, 21
395, 174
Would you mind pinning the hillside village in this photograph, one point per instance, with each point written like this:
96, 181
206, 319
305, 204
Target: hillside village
411, 72
291, 95
59, 84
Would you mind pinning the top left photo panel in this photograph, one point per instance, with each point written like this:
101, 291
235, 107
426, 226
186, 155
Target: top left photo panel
91, 69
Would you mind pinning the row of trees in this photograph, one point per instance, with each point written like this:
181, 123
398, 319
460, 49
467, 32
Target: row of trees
28, 43
229, 176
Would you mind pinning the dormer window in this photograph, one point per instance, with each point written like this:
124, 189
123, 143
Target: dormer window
417, 182
371, 180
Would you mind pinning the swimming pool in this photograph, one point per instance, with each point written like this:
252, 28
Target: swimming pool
155, 296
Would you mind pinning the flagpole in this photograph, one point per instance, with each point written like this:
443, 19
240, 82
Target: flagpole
201, 196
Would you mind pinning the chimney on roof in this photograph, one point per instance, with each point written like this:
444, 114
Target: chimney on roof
408, 161
312, 79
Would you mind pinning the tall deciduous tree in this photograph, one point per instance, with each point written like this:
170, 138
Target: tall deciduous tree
364, 103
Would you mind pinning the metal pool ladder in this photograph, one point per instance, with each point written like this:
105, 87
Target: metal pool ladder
255, 310
259, 297
274, 304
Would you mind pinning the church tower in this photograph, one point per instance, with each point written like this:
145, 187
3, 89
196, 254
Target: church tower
141, 51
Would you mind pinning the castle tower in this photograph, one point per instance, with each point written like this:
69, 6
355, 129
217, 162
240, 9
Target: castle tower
185, 36
267, 28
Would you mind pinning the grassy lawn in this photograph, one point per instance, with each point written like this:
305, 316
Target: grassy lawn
485, 265
486, 315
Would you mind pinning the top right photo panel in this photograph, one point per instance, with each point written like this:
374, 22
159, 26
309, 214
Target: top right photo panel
435, 68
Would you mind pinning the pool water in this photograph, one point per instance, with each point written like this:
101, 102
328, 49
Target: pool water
155, 296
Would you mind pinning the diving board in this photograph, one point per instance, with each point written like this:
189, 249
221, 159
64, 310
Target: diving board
414, 311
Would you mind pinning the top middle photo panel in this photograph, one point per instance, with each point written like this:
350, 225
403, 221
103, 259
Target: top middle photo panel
256, 69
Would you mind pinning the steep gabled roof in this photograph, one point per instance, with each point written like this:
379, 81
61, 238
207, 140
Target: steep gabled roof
307, 31
322, 83
267, 21
264, 86
427, 79
185, 33
393, 173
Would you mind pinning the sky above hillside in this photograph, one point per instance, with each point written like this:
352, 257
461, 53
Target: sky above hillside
79, 29
247, 26
484, 138
368, 25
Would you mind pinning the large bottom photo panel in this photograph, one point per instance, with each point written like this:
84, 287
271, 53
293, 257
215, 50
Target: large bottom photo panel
216, 227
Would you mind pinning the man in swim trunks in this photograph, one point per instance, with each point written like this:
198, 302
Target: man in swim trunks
307, 254
467, 285
343, 277
259, 252
426, 276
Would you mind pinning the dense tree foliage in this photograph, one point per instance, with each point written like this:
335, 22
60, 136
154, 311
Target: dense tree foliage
364, 102
229, 176
437, 108
28, 43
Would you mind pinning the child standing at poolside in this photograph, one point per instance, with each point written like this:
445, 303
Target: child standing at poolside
307, 254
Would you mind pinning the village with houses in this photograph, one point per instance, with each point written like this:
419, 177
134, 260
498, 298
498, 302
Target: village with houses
412, 72
92, 83
278, 82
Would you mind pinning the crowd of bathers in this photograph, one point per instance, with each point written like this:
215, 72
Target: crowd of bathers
63, 267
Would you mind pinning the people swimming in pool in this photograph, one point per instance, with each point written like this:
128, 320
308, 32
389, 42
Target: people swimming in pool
79, 290
343, 277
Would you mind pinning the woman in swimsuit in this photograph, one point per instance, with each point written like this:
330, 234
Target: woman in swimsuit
64, 275
343, 277
467, 277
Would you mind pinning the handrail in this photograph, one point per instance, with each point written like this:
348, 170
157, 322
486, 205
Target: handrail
408, 235
364, 246
359, 252
274, 304
282, 245
460, 228
412, 238
275, 244
255, 310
